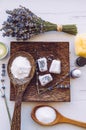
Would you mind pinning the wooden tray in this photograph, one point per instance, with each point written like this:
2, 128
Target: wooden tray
50, 50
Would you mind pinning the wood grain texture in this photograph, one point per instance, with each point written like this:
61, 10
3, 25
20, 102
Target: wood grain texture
53, 50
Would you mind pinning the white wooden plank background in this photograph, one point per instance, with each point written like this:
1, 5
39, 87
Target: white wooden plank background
60, 12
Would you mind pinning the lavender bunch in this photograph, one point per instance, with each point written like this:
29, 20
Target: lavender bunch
23, 24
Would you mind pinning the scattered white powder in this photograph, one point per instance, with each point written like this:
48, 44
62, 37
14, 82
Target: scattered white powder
45, 114
21, 67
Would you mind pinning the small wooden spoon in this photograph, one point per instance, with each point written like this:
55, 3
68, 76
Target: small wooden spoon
20, 87
59, 118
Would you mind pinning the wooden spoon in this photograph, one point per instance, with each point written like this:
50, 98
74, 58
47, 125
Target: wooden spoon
59, 118
20, 87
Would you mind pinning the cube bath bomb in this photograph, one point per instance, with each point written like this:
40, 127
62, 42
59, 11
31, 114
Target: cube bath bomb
80, 45
42, 64
45, 79
55, 67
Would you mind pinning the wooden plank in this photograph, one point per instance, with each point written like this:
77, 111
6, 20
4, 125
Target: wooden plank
53, 50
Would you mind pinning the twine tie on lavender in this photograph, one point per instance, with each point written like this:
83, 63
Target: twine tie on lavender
59, 28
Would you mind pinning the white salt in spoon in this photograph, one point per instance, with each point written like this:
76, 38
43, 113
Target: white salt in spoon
55, 117
20, 87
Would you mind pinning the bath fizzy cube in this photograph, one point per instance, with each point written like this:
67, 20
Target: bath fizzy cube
55, 67
42, 64
45, 79
80, 45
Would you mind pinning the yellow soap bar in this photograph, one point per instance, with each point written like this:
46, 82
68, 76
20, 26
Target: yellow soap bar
80, 45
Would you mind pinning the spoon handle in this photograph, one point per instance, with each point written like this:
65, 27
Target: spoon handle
16, 120
74, 122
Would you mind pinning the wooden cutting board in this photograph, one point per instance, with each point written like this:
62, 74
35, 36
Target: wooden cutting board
50, 50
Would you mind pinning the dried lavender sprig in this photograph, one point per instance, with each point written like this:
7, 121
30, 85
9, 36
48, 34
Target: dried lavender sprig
37, 74
23, 24
7, 108
37, 82
5, 100
3, 93
62, 79
63, 86
55, 85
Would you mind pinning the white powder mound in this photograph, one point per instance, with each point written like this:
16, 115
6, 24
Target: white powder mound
21, 67
45, 114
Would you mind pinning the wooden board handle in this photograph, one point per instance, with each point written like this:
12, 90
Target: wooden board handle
74, 122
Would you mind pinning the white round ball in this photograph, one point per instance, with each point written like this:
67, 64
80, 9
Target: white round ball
76, 73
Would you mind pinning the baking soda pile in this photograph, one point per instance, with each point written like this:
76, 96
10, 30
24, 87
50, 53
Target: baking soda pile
45, 114
21, 67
